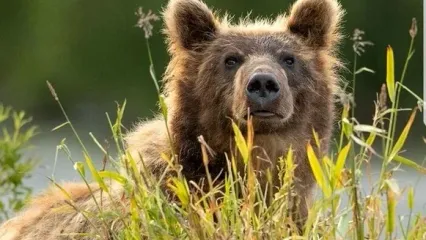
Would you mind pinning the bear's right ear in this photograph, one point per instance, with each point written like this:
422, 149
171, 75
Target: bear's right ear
189, 24
317, 22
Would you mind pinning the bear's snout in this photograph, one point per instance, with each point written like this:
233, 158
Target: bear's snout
266, 90
263, 89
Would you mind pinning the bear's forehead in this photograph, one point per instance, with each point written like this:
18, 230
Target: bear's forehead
250, 42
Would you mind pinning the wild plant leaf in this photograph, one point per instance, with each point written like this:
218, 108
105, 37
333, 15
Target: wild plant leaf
411, 92
250, 133
163, 106
114, 176
289, 160
132, 163
60, 126
393, 185
328, 165
97, 143
341, 160
363, 144
4, 113
6, 135
95, 173
347, 127
409, 163
316, 138
179, 188
364, 69
241, 143
134, 213
368, 128
66, 194
79, 167
154, 78
391, 191
410, 198
345, 112
419, 229
120, 114
401, 140
390, 73
392, 110
122, 108
62, 142
370, 139
318, 172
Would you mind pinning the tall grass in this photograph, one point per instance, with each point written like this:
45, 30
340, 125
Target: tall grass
239, 209
16, 130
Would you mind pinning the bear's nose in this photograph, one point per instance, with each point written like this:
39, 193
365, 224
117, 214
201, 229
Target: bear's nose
262, 88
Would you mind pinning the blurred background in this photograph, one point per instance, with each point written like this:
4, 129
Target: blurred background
94, 56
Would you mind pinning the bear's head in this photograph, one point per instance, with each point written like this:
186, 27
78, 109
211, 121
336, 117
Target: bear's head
278, 71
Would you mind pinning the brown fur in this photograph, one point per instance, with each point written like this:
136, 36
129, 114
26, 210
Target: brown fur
203, 95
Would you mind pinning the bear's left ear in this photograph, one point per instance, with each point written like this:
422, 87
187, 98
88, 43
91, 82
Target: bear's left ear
189, 24
317, 22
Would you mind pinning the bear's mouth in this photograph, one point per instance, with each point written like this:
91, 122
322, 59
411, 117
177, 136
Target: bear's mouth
264, 114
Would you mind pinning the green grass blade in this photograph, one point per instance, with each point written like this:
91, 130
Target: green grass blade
95, 173
180, 189
409, 163
370, 139
318, 172
411, 92
347, 127
390, 73
401, 140
368, 128
364, 69
163, 107
340, 163
410, 198
241, 143
60, 126
317, 141
391, 194
63, 191
114, 176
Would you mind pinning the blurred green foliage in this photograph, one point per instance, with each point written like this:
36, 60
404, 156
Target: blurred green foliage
94, 55
14, 166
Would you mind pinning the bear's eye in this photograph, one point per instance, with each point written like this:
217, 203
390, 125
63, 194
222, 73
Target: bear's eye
288, 60
231, 62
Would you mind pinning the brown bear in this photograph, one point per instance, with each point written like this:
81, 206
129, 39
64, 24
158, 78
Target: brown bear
281, 72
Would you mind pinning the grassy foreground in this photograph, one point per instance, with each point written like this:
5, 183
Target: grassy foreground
239, 209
